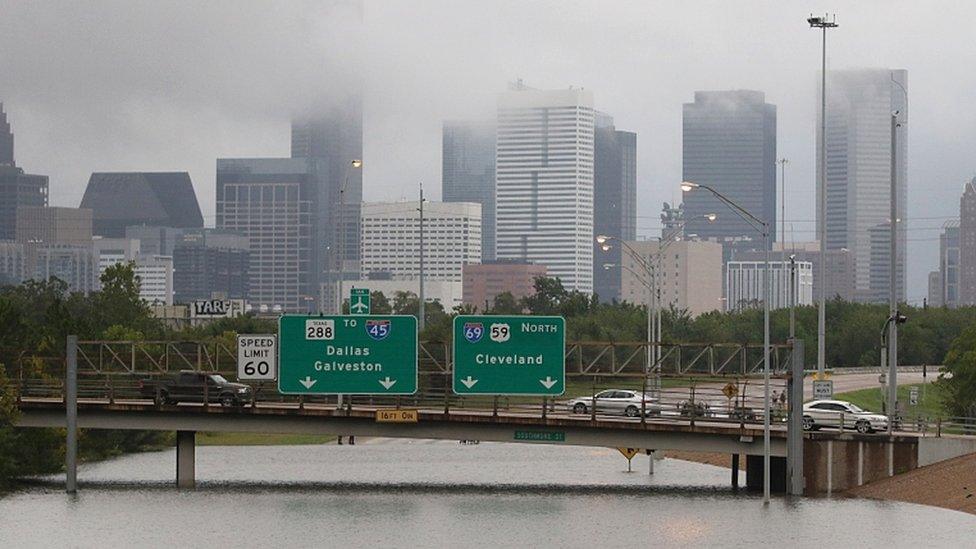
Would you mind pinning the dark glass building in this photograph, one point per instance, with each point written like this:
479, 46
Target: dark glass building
729, 144
18, 189
121, 199
209, 263
6, 140
334, 136
468, 173
614, 201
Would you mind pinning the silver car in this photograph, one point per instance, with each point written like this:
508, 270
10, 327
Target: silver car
829, 413
616, 401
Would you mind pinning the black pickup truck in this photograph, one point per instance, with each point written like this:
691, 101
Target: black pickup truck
190, 386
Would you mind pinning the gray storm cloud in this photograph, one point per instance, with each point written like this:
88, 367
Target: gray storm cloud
170, 85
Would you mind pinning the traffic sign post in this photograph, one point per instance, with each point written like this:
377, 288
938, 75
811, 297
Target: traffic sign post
359, 301
257, 357
348, 355
913, 396
509, 355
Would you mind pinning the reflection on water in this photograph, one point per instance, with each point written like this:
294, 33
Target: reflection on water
439, 494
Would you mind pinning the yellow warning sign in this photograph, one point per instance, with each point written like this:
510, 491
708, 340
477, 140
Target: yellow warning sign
730, 391
628, 453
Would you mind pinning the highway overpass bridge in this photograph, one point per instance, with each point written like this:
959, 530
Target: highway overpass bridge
703, 404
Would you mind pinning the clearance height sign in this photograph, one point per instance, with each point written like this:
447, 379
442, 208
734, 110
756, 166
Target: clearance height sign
509, 355
348, 355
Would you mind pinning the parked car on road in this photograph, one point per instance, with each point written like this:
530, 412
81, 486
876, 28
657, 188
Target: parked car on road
190, 386
617, 401
828, 413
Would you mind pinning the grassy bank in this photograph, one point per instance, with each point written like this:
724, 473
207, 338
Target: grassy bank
930, 400
260, 439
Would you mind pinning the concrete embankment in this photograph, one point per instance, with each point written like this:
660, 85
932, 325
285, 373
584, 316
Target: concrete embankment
949, 484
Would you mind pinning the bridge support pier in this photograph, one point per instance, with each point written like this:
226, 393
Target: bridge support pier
186, 442
777, 474
735, 471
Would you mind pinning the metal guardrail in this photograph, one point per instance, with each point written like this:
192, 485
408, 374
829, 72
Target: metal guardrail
933, 368
682, 399
598, 358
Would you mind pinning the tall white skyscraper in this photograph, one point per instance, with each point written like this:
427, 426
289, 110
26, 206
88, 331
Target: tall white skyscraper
544, 182
859, 107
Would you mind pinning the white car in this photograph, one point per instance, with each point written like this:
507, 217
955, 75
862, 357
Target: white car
828, 413
616, 401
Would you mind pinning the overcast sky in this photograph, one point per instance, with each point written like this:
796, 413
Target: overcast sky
128, 85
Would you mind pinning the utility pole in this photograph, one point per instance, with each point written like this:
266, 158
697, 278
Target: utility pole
893, 281
421, 315
822, 23
782, 224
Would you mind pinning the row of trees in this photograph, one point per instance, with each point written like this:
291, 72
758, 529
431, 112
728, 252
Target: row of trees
35, 320
36, 317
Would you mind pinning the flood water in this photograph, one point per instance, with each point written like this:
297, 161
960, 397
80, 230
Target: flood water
401, 493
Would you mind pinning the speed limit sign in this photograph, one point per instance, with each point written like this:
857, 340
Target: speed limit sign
257, 357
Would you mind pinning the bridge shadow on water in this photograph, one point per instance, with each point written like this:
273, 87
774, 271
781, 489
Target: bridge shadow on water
433, 488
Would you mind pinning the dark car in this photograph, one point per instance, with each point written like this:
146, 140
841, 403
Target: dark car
189, 386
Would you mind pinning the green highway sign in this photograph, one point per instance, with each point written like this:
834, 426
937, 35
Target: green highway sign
509, 355
359, 301
348, 355
541, 436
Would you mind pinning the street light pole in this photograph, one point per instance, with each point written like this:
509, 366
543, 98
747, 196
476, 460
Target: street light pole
822, 23
421, 315
893, 268
763, 227
340, 253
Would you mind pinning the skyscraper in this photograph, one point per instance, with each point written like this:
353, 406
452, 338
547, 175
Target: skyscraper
210, 264
468, 173
17, 188
967, 245
544, 182
614, 201
272, 202
944, 283
729, 144
6, 140
858, 157
334, 136
121, 199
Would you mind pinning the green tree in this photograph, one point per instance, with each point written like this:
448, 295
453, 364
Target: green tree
505, 304
959, 375
379, 303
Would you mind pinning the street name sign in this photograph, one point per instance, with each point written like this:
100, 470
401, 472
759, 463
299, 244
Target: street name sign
257, 357
396, 416
540, 436
359, 301
823, 389
509, 355
348, 355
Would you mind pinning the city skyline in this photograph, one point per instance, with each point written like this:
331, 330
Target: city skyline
403, 131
